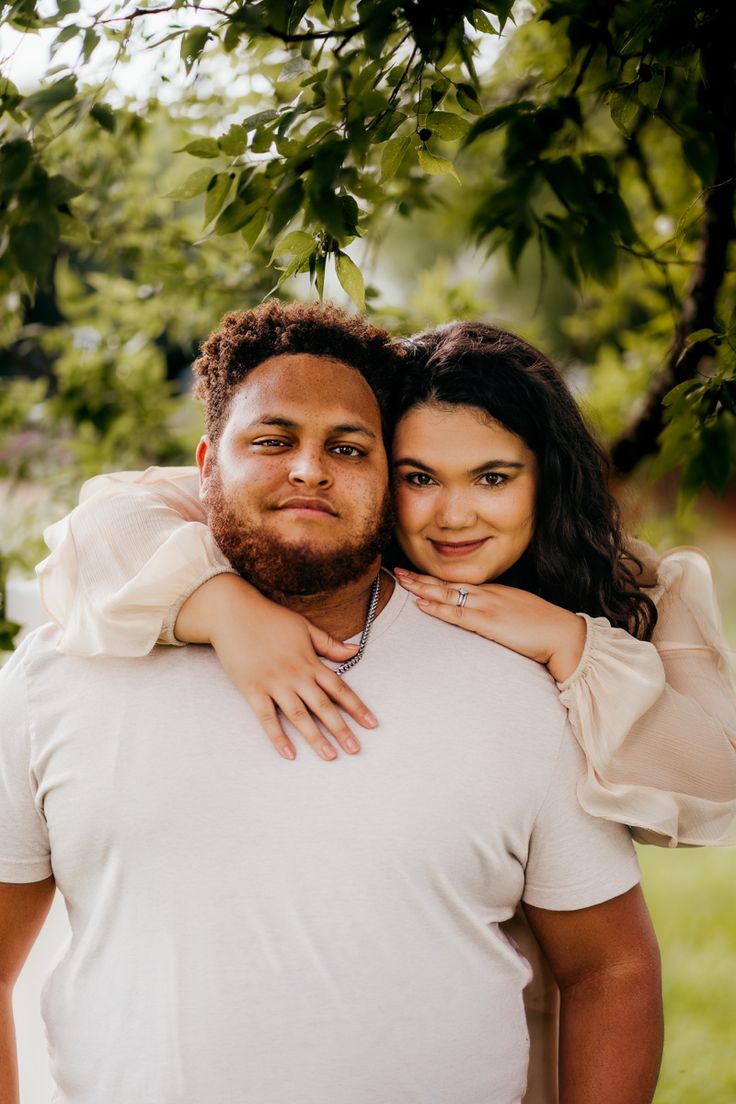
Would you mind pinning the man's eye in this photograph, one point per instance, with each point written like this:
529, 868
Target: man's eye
347, 450
270, 442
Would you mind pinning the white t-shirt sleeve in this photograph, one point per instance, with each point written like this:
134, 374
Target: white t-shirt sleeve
575, 860
25, 854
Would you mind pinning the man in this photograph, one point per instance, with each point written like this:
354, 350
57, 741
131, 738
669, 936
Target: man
250, 932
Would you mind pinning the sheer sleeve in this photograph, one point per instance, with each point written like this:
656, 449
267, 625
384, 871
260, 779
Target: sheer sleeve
125, 559
657, 721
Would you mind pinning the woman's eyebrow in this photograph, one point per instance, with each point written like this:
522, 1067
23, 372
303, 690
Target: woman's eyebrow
410, 462
497, 464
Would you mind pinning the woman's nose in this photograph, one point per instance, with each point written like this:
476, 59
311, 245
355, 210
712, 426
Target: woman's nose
453, 511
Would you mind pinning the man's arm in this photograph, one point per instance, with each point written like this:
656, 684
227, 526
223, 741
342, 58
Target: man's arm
606, 962
23, 909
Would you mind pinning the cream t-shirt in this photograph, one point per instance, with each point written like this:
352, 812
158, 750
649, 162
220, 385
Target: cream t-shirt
246, 930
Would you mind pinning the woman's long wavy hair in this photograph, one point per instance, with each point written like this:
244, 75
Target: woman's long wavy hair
577, 557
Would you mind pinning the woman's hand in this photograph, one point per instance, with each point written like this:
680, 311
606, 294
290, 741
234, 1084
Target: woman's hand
515, 618
272, 656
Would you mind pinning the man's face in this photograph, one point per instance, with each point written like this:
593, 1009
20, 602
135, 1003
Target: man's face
296, 488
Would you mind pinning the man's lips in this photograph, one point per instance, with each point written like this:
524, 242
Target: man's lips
457, 548
308, 505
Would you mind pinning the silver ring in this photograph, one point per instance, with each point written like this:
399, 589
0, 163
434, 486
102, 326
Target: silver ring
462, 596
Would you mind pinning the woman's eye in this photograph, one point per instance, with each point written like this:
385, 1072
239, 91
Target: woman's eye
418, 479
494, 479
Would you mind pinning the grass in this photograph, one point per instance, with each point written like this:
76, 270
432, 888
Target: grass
691, 898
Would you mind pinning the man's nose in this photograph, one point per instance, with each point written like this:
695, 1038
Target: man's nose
453, 511
309, 469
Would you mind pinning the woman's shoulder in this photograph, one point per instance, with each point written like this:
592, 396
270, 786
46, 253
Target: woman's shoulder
678, 570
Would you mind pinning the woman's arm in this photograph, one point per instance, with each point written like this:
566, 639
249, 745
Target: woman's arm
135, 564
123, 562
657, 721
659, 728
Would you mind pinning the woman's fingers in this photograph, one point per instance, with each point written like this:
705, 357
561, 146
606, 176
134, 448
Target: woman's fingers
268, 718
312, 704
434, 590
345, 698
296, 711
326, 645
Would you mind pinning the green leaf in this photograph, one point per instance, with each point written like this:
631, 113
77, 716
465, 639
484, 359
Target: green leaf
234, 142
192, 45
650, 91
497, 118
70, 31
235, 216
393, 154
33, 245
201, 147
262, 140
285, 204
674, 397
700, 335
15, 158
467, 97
42, 102
217, 192
387, 125
196, 183
89, 43
251, 122
103, 114
482, 23
447, 125
297, 242
624, 109
252, 230
351, 279
437, 166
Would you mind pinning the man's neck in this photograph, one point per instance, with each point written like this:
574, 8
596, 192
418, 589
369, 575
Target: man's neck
342, 612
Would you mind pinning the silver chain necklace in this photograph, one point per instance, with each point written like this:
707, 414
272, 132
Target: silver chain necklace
372, 607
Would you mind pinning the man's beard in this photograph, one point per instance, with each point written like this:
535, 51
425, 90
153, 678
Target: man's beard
280, 568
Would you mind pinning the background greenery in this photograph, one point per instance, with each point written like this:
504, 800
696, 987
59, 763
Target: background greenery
690, 896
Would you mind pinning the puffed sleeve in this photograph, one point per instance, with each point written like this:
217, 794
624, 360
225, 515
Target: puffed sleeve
123, 562
657, 721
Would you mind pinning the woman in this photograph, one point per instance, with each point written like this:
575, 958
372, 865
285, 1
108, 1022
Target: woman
500, 492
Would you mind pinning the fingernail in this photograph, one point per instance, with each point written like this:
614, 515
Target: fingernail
288, 752
400, 571
422, 602
370, 720
352, 745
328, 752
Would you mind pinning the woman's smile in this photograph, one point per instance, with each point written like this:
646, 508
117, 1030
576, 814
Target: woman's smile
457, 548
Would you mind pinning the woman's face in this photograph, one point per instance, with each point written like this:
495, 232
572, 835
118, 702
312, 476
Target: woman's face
464, 490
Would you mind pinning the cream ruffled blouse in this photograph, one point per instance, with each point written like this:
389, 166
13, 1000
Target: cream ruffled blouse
657, 721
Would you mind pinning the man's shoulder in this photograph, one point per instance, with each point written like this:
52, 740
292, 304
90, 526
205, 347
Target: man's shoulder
458, 645
447, 655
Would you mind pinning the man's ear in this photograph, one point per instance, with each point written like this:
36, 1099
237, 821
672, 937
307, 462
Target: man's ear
205, 455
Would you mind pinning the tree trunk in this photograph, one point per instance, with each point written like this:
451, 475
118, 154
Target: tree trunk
699, 305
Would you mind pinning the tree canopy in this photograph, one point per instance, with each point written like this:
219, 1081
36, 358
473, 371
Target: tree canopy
590, 141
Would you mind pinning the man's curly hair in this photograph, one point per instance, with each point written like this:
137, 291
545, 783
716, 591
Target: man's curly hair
246, 339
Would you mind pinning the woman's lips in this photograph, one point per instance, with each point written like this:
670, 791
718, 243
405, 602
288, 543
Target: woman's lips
457, 548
